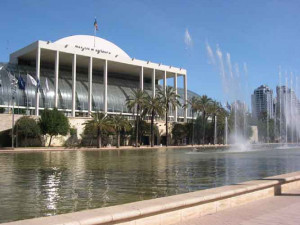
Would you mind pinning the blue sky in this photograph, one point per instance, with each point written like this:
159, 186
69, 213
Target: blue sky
263, 34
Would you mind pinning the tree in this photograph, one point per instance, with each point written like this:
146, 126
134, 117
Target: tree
27, 127
145, 130
135, 104
53, 123
194, 104
179, 132
153, 107
119, 123
169, 99
204, 103
99, 122
265, 128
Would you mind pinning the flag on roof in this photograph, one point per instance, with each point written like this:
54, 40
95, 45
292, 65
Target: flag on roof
228, 106
32, 80
21, 83
38, 84
96, 24
47, 85
11, 78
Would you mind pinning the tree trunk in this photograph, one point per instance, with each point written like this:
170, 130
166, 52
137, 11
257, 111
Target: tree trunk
151, 129
26, 140
50, 140
167, 130
193, 129
118, 139
137, 126
99, 138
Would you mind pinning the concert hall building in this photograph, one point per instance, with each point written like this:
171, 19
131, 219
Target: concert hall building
82, 74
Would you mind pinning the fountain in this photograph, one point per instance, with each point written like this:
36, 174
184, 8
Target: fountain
288, 107
233, 87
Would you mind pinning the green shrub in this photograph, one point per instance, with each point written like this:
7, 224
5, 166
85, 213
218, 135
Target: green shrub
53, 123
26, 128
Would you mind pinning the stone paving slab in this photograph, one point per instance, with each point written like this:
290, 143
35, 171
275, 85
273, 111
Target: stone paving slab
283, 209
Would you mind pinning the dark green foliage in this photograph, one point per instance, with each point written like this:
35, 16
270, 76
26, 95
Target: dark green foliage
72, 141
99, 124
240, 122
180, 132
90, 135
194, 103
145, 131
20, 111
265, 127
5, 138
153, 107
26, 128
201, 129
145, 128
135, 104
169, 100
119, 123
53, 123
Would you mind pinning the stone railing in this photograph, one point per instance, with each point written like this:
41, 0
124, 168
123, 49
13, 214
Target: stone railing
174, 209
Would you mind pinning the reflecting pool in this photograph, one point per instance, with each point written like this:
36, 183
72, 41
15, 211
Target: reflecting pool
48, 183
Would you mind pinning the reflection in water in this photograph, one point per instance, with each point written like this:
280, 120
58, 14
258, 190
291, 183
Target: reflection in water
49, 183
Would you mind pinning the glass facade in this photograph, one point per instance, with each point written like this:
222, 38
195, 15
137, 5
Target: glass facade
120, 87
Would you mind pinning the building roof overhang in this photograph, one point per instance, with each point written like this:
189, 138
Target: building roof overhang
118, 60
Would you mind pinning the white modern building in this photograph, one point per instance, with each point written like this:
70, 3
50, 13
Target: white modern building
262, 101
82, 74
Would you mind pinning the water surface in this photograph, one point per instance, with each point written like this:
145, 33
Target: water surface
48, 183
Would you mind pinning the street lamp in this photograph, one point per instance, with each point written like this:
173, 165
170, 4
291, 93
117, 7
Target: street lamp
13, 85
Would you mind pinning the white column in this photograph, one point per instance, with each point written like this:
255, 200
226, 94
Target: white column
90, 86
56, 79
153, 83
185, 97
175, 87
73, 85
165, 80
105, 86
142, 78
37, 95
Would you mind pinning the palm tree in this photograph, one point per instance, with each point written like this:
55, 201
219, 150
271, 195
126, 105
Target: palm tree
99, 122
119, 122
194, 104
169, 99
204, 103
135, 104
153, 106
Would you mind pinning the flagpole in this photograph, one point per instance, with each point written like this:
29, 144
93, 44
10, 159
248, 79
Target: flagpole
95, 24
27, 94
18, 98
47, 100
94, 37
13, 89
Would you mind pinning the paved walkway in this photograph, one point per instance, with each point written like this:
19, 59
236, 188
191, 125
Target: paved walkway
284, 209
